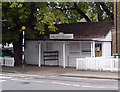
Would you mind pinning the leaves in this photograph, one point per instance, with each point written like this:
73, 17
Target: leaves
40, 27
49, 17
35, 15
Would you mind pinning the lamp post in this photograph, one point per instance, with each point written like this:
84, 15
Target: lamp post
23, 44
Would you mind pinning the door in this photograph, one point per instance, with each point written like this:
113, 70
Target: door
73, 53
98, 49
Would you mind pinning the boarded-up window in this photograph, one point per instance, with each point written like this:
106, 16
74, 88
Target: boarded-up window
86, 47
74, 48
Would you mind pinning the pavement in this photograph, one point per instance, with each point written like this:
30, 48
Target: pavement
60, 71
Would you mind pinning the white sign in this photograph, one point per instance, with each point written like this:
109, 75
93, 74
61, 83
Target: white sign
61, 36
98, 48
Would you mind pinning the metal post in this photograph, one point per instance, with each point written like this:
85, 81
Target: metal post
23, 44
23, 40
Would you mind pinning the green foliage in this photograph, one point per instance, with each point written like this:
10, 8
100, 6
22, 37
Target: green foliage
35, 15
49, 16
91, 9
14, 16
30, 34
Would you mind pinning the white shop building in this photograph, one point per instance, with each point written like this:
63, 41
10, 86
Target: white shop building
70, 41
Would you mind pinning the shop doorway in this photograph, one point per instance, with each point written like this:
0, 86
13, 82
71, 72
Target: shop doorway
98, 49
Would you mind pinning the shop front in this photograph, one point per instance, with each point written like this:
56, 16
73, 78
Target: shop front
70, 42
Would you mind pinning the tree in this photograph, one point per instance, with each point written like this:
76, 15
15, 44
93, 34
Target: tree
32, 15
35, 15
91, 11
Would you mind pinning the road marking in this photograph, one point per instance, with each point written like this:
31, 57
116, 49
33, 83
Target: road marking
37, 81
18, 80
67, 84
13, 79
55, 82
1, 74
3, 77
2, 80
26, 80
27, 75
101, 87
8, 75
77, 85
52, 76
87, 86
61, 83
96, 87
80, 85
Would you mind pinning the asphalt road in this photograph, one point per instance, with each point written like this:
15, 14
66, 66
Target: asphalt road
39, 82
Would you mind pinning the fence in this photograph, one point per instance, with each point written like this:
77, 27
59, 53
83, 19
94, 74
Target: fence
7, 61
97, 63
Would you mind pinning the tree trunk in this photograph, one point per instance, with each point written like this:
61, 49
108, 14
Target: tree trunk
82, 13
17, 46
100, 12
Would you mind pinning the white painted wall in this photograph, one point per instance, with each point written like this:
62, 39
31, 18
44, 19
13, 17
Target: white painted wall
86, 46
53, 46
106, 46
31, 52
74, 50
106, 49
109, 36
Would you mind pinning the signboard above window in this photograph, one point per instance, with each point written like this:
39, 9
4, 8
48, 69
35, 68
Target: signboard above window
61, 35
